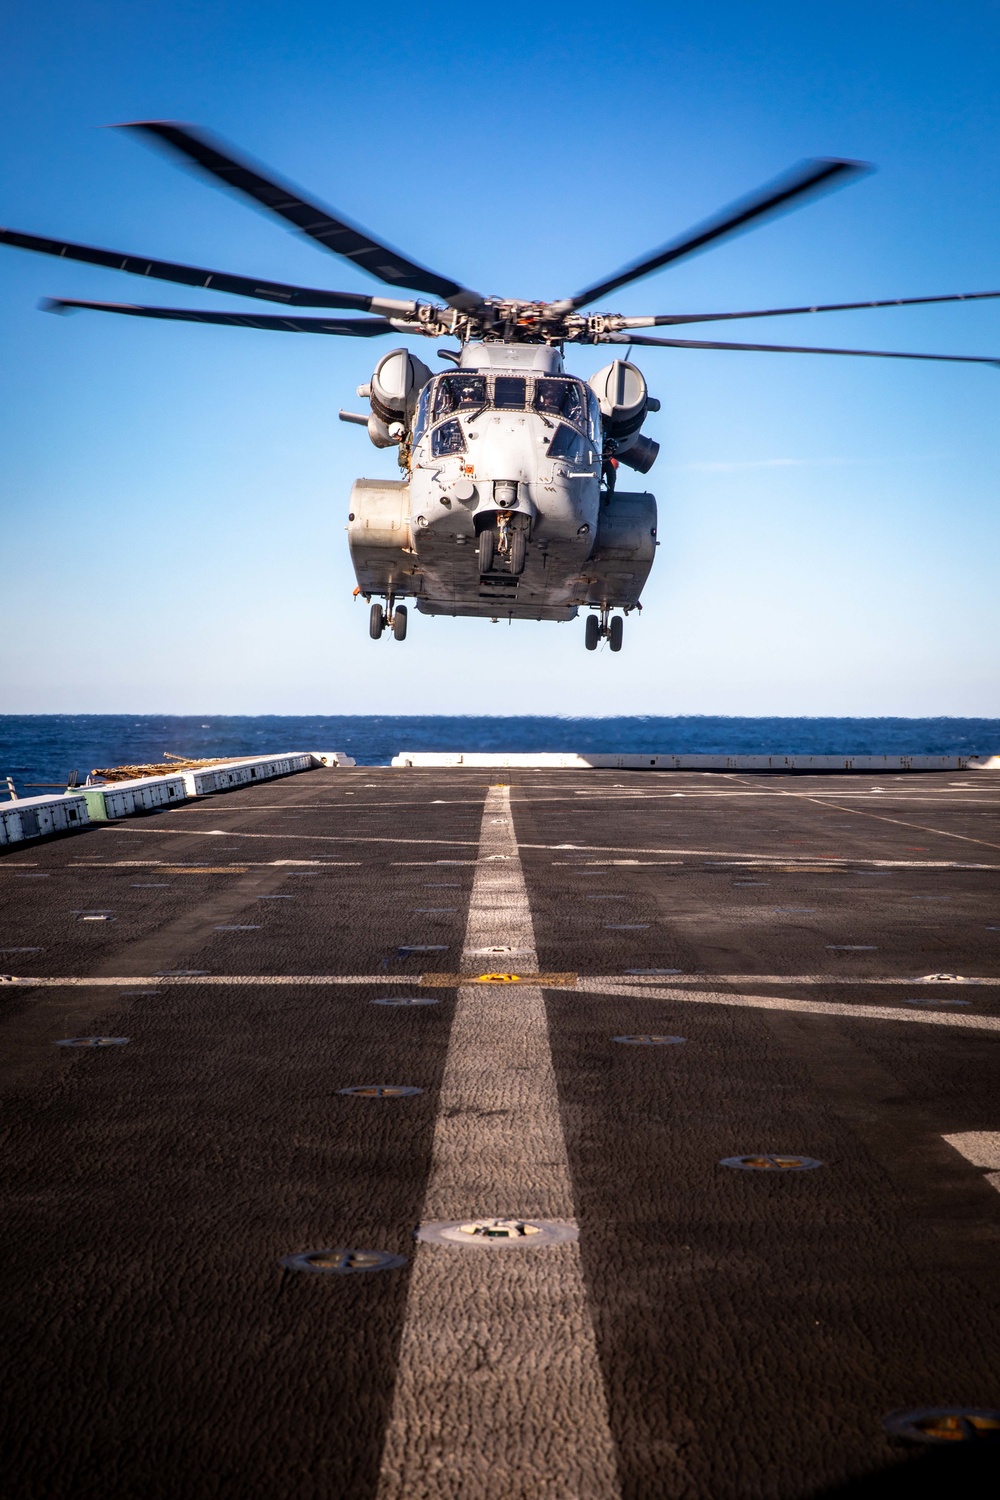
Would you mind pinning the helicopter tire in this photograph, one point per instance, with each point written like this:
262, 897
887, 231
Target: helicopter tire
399, 623
376, 622
615, 631
592, 633
487, 541
518, 548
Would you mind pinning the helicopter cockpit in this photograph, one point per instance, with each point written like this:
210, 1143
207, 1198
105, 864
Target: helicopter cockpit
566, 405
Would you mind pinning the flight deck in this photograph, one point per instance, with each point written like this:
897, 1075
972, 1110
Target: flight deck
460, 1132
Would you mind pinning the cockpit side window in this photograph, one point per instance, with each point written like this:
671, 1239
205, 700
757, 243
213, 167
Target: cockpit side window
447, 439
561, 398
423, 405
594, 411
459, 393
569, 445
509, 391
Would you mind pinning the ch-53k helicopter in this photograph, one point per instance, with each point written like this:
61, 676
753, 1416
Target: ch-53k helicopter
508, 507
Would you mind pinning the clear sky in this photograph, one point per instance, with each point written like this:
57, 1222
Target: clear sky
174, 497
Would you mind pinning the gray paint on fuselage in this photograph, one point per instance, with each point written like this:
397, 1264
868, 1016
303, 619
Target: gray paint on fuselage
560, 499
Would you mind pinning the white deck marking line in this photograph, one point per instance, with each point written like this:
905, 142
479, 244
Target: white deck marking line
763, 859
335, 806
742, 857
981, 1148
705, 795
603, 983
898, 822
675, 980
858, 812
606, 795
803, 1007
25, 980
499, 1389
316, 838
240, 864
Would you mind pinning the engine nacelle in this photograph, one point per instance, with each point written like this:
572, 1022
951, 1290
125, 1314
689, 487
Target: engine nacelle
624, 398
393, 391
640, 454
379, 535
624, 549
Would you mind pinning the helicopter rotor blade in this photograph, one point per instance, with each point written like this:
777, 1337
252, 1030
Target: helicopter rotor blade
807, 180
333, 233
219, 281
351, 327
626, 338
665, 319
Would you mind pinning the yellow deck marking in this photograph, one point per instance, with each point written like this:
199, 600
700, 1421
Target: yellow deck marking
543, 981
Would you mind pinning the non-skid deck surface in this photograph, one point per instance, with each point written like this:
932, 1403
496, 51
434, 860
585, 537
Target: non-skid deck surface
713, 1334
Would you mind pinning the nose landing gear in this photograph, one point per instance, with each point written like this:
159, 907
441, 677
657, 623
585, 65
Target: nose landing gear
603, 628
508, 540
393, 616
513, 540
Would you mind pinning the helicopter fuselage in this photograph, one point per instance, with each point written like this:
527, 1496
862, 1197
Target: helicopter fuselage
502, 513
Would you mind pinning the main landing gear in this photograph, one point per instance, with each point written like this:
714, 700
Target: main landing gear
604, 629
393, 616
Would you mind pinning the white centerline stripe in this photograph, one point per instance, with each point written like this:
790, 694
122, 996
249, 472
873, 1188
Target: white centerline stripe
981, 1148
499, 1389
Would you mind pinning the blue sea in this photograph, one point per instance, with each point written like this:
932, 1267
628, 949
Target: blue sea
48, 747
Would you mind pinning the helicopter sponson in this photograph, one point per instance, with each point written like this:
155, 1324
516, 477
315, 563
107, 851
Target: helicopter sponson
509, 508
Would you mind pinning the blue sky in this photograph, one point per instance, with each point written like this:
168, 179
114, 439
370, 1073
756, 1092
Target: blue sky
173, 497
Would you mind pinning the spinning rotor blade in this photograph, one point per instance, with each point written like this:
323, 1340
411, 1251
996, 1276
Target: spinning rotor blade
807, 180
355, 327
337, 235
662, 320
963, 359
219, 281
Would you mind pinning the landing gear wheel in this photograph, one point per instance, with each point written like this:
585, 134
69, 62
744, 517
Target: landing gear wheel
615, 631
399, 623
592, 633
376, 622
518, 547
487, 540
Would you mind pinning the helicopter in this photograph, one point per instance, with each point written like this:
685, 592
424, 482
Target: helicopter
509, 505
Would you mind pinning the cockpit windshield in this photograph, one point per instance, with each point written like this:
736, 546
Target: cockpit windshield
466, 393
459, 393
560, 398
510, 391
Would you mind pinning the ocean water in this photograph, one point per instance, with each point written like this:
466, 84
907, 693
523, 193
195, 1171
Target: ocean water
47, 747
